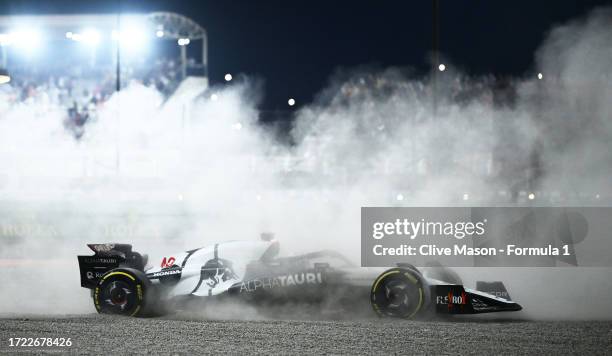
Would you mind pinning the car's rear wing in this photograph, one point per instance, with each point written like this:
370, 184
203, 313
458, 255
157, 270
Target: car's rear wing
107, 257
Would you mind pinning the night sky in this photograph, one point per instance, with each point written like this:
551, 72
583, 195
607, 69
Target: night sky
294, 46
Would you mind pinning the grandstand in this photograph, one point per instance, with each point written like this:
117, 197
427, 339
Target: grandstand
67, 67
82, 59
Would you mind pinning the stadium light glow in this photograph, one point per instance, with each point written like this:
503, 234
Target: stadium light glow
540, 76
466, 196
214, 97
291, 102
531, 196
441, 67
132, 38
228, 77
4, 76
5, 39
26, 39
237, 126
88, 36
183, 41
159, 33
399, 197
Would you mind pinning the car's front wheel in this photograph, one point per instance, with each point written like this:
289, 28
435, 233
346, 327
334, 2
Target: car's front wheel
400, 293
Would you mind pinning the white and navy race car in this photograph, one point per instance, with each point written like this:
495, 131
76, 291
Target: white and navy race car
123, 282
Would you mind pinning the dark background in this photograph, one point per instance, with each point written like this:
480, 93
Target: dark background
295, 45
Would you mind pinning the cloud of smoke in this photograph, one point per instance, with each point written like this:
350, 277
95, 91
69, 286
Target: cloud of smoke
576, 110
186, 173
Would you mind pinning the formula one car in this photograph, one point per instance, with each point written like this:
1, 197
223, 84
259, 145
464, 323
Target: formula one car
123, 283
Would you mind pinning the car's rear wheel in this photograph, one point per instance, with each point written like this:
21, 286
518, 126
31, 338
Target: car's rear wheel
122, 291
399, 293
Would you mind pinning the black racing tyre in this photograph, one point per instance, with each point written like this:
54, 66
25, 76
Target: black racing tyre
400, 293
123, 291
